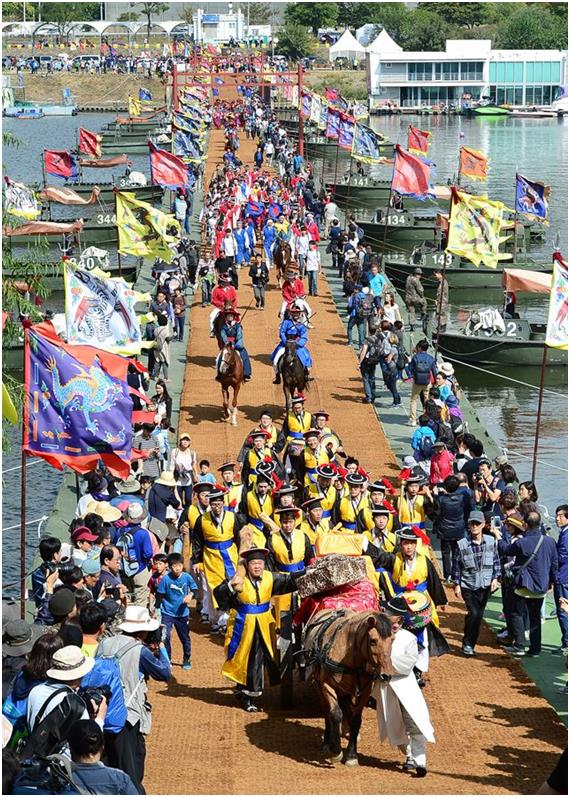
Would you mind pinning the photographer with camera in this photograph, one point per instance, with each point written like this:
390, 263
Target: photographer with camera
50, 553
109, 582
140, 655
487, 489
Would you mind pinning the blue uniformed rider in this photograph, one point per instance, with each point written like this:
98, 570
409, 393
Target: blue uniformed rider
292, 329
232, 332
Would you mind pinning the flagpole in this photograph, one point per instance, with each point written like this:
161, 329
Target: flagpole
516, 217
118, 239
539, 412
300, 90
440, 305
459, 169
23, 490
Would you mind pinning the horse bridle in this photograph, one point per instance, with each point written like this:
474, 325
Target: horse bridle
225, 361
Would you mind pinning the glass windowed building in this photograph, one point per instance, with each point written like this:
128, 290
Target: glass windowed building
467, 69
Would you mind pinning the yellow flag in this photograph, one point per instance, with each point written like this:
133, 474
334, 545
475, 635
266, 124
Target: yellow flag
135, 107
144, 231
475, 229
8, 409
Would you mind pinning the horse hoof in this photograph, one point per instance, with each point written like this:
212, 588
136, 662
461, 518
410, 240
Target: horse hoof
351, 762
334, 759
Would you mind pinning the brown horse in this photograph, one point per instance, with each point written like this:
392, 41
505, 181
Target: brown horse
293, 374
282, 257
348, 652
230, 375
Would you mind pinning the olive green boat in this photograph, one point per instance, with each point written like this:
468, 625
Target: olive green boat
320, 146
131, 135
137, 147
520, 343
361, 192
146, 193
100, 229
460, 274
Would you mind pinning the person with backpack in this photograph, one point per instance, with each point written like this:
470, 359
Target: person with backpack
140, 656
135, 544
415, 299
360, 308
15, 704
451, 508
441, 464
369, 357
422, 369
18, 638
422, 443
54, 705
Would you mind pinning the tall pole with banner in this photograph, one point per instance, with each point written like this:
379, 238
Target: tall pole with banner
300, 90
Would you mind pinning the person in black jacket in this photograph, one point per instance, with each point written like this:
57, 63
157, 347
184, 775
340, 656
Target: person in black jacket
450, 512
259, 274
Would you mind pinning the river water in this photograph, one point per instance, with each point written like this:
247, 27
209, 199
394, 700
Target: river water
537, 148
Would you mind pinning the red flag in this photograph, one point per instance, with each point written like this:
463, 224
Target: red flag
331, 94
166, 169
89, 143
473, 163
411, 176
60, 164
418, 140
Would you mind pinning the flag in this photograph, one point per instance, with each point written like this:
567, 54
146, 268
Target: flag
101, 312
77, 407
215, 92
472, 163
134, 106
60, 164
144, 231
67, 196
45, 228
254, 209
532, 198
167, 169
145, 95
418, 140
305, 104
183, 122
186, 146
105, 163
346, 134
219, 81
366, 144
557, 325
475, 225
89, 143
331, 94
411, 175
20, 201
322, 123
315, 114
333, 124
274, 210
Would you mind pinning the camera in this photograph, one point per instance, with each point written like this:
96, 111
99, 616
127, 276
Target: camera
114, 593
154, 638
94, 695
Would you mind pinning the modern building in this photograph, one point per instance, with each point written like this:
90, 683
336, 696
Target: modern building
467, 68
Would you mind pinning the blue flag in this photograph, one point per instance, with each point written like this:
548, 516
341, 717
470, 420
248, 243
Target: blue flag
532, 198
185, 146
145, 95
366, 144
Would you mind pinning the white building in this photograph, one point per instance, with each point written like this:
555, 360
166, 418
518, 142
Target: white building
466, 68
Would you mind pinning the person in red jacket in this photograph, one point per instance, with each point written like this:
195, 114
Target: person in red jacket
293, 291
224, 294
441, 463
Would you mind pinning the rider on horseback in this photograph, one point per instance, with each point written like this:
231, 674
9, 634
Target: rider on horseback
223, 294
293, 292
232, 332
292, 329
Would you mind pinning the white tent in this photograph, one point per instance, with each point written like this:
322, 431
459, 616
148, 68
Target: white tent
384, 44
366, 33
346, 47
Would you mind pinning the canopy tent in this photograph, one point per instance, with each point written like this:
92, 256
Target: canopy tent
519, 279
347, 47
384, 44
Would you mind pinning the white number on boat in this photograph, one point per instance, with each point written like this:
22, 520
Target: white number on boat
106, 218
88, 263
396, 219
443, 259
511, 329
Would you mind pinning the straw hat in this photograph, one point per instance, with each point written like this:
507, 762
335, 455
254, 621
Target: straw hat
105, 510
130, 485
69, 664
446, 369
137, 618
167, 478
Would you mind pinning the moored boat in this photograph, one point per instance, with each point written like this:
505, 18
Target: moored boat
37, 110
365, 192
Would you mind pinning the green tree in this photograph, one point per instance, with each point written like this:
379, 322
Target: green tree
14, 12
128, 16
312, 15
464, 15
257, 13
423, 30
294, 41
533, 28
148, 10
64, 14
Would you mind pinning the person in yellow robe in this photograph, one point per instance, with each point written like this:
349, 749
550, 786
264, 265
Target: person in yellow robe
234, 488
297, 420
284, 498
313, 456
321, 422
250, 644
378, 540
414, 501
376, 500
199, 506
214, 552
259, 452
258, 503
351, 506
290, 551
314, 522
324, 488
